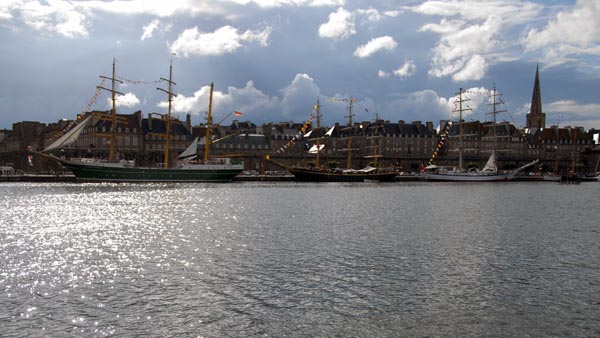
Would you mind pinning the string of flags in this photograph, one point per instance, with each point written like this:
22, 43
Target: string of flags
138, 81
95, 97
301, 133
351, 100
443, 138
69, 126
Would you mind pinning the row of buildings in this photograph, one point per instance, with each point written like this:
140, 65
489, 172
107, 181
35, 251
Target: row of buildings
401, 144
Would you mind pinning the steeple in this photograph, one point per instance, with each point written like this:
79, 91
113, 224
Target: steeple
536, 119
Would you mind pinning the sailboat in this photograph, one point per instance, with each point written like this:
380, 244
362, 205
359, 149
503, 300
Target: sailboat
490, 172
317, 173
187, 169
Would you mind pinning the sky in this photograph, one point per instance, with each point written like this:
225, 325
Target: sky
273, 59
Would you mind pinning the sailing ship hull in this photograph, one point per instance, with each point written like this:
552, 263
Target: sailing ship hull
467, 177
104, 173
307, 175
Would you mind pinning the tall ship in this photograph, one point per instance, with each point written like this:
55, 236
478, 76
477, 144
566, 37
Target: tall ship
188, 167
490, 172
318, 173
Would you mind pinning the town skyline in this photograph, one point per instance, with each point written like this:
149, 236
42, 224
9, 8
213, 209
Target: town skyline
272, 60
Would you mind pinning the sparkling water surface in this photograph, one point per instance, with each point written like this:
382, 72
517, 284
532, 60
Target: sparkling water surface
300, 260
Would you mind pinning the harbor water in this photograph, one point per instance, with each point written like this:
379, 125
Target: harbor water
285, 259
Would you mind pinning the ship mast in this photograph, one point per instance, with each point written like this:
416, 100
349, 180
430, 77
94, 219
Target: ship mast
461, 122
349, 116
208, 123
318, 113
494, 104
113, 111
171, 95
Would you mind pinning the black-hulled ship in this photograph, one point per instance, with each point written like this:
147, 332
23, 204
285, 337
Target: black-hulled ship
317, 173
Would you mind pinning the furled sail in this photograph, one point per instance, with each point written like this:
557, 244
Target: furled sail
191, 150
70, 137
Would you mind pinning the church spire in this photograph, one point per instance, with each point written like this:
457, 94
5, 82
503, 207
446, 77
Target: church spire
536, 118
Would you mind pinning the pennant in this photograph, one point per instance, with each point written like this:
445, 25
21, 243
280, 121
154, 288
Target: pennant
237, 113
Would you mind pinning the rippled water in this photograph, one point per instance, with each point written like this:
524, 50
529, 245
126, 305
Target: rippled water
300, 260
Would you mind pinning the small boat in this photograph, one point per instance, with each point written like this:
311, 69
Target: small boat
187, 169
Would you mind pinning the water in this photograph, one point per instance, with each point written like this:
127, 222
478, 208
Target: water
300, 260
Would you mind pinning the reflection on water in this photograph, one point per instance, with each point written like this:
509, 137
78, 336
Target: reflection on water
299, 260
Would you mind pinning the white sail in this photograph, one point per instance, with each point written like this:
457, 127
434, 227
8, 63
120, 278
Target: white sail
308, 134
70, 137
330, 131
490, 166
316, 148
191, 150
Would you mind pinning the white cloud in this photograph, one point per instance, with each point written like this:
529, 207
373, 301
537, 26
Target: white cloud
299, 96
461, 51
474, 69
383, 74
407, 70
581, 110
371, 14
513, 11
471, 34
149, 29
128, 100
375, 45
416, 105
56, 17
249, 100
340, 25
392, 14
571, 32
224, 40
475, 101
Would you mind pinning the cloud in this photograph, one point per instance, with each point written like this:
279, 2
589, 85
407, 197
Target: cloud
371, 14
383, 74
475, 101
128, 100
471, 34
249, 100
340, 25
575, 114
149, 29
419, 104
375, 45
299, 96
512, 11
405, 71
57, 17
461, 50
474, 69
224, 40
571, 32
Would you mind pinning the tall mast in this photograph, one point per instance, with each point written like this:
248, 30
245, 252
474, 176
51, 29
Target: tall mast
170, 94
208, 123
494, 104
318, 106
349, 116
113, 111
318, 116
460, 121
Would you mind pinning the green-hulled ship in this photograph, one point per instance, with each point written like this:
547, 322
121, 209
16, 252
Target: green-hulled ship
187, 169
